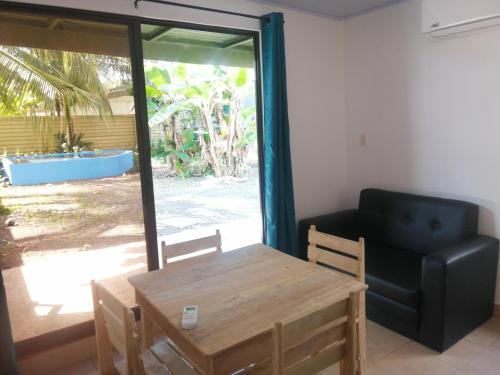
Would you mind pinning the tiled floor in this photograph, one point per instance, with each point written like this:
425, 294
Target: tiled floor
392, 354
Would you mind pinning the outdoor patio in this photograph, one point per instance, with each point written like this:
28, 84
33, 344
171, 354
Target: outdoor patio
67, 234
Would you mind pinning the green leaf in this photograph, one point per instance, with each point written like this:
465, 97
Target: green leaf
183, 156
53, 81
241, 78
180, 72
158, 76
165, 113
172, 87
153, 92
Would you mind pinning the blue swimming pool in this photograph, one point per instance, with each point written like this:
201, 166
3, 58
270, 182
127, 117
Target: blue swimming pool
43, 169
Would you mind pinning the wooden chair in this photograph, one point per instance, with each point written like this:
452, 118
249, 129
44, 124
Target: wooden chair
318, 340
116, 329
186, 248
349, 257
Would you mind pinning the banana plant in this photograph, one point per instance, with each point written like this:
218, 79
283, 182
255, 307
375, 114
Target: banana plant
208, 92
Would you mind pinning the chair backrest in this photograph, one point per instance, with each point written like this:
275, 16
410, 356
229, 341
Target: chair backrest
318, 340
343, 254
187, 248
115, 328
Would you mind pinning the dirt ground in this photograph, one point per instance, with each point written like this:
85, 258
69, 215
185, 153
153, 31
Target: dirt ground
95, 214
77, 215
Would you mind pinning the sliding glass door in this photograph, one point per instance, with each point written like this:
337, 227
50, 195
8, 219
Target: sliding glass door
115, 136
202, 121
71, 186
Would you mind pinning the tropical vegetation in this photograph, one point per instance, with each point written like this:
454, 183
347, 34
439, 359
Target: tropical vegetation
202, 117
206, 115
54, 85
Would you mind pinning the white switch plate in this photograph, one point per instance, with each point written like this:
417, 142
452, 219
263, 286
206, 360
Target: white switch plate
362, 140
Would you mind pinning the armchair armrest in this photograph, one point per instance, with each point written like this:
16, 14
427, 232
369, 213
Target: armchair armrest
342, 223
458, 289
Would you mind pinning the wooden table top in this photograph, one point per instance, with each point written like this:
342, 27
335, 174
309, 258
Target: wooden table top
240, 294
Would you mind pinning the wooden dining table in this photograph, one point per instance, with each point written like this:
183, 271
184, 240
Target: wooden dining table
240, 296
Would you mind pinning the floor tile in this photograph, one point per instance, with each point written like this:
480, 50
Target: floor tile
332, 370
487, 363
460, 354
380, 341
415, 359
495, 348
487, 334
81, 368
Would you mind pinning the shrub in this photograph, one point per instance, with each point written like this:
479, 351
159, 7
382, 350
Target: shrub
79, 143
4, 211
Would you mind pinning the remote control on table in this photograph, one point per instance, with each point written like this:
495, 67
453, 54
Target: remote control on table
189, 317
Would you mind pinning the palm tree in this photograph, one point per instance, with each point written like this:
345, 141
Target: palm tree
55, 83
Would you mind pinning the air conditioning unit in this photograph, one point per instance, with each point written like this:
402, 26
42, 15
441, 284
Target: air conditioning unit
444, 18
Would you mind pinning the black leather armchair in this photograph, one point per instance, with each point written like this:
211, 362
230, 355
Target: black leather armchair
431, 277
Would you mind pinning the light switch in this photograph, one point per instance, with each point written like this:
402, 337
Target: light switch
362, 140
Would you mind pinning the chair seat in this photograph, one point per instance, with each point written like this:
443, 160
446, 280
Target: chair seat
167, 355
393, 273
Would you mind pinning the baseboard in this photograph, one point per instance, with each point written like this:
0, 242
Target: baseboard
496, 311
58, 338
54, 339
51, 360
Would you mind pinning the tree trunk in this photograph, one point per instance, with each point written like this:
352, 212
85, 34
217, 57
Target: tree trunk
206, 119
70, 133
219, 111
231, 138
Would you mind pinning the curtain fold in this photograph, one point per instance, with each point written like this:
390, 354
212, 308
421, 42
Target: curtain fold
279, 210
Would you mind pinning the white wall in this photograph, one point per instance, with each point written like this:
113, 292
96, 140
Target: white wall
430, 110
316, 90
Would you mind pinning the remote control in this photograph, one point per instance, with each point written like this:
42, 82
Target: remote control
189, 317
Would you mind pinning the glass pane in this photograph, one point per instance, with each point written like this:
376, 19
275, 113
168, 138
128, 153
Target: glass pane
71, 192
201, 94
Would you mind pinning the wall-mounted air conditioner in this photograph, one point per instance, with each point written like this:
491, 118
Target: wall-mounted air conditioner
442, 18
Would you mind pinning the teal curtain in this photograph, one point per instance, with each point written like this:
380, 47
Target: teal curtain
279, 210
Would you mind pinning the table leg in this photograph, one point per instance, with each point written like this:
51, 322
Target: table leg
361, 370
146, 329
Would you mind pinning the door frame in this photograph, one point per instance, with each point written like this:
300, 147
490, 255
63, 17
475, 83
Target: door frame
85, 329
139, 88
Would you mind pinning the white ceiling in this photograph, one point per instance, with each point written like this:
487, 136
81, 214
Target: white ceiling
333, 8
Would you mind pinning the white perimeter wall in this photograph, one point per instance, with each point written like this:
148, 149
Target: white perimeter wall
316, 89
430, 110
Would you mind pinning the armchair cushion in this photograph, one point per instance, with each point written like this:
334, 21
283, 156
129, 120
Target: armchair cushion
394, 273
414, 222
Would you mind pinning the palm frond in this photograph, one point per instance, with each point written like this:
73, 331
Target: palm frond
20, 79
52, 78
